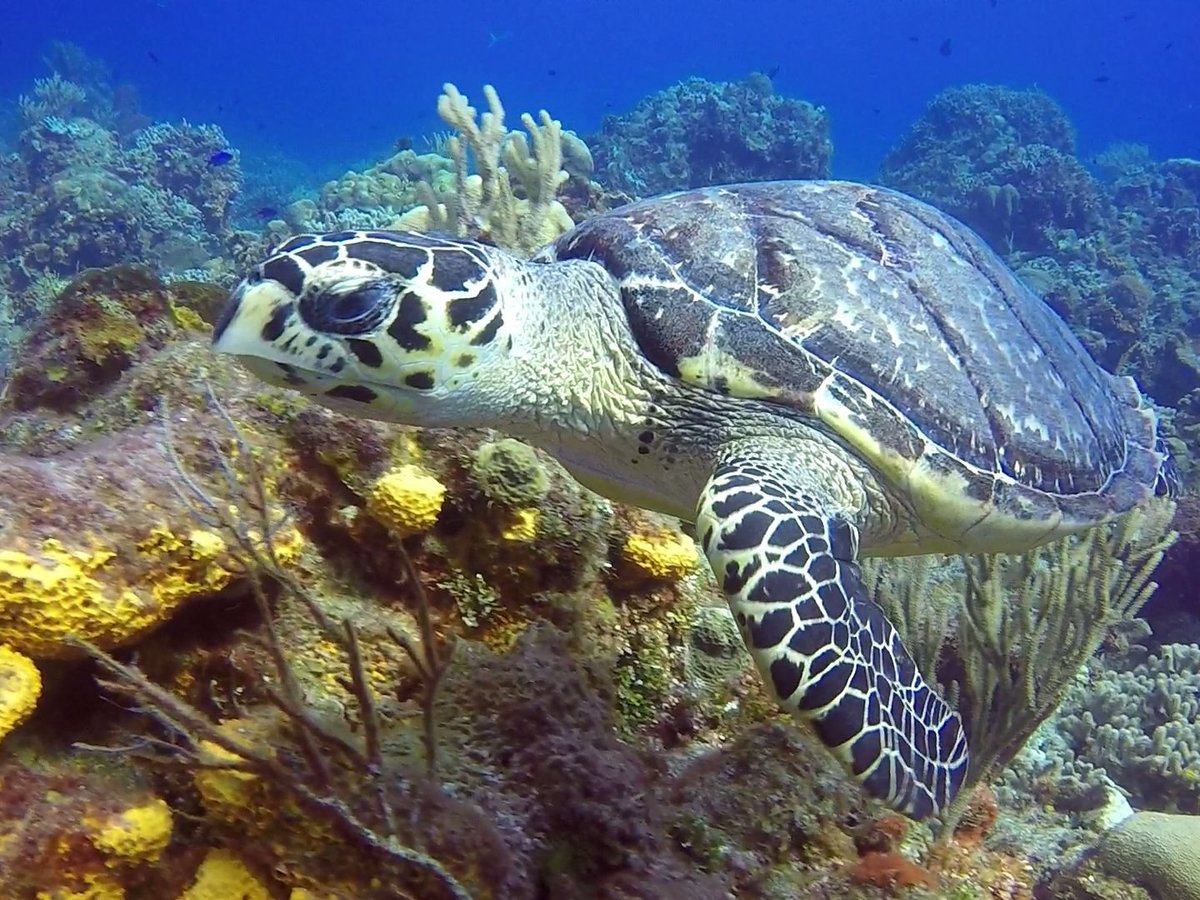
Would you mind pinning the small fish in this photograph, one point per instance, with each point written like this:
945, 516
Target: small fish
267, 212
772, 72
1168, 46
1100, 79
945, 49
153, 56
1128, 17
992, 3
913, 39
404, 142
552, 72
220, 158
500, 38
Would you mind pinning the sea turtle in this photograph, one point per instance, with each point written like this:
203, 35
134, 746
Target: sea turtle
809, 371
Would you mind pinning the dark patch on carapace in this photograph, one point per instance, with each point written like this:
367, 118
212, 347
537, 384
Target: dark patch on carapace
299, 242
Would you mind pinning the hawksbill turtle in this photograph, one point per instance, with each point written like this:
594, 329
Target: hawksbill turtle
808, 371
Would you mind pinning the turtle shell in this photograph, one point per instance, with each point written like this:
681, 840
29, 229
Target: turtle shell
895, 329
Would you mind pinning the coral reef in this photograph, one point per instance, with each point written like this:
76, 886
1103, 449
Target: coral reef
698, 133
406, 500
481, 181
222, 875
357, 660
1001, 160
94, 183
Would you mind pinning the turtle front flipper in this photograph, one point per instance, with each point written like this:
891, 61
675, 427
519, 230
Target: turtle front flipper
828, 652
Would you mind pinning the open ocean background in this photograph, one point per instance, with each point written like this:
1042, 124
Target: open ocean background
333, 85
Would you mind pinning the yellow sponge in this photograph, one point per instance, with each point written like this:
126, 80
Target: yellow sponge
139, 834
20, 687
406, 500
223, 876
661, 555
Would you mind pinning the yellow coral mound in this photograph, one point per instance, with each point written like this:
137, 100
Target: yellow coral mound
108, 596
20, 687
223, 876
406, 500
661, 555
139, 834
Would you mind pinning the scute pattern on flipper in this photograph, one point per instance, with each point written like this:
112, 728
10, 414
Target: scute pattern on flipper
829, 654
927, 342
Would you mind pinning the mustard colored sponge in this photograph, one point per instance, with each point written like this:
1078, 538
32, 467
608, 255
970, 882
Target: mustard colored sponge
521, 527
109, 595
406, 500
20, 687
137, 835
223, 876
660, 555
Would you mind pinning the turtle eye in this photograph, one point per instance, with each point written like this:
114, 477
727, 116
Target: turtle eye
348, 309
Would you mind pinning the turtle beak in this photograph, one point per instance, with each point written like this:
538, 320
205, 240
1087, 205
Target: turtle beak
255, 320
232, 307
225, 334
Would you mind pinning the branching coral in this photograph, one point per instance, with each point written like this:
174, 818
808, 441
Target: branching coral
1026, 625
510, 201
53, 96
1139, 726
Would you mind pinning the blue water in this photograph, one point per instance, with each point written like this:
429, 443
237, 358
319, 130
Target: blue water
335, 83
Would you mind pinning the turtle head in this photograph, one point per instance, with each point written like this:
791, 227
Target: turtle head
388, 325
